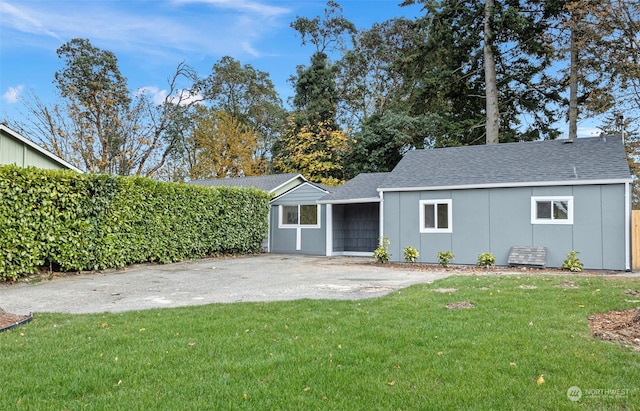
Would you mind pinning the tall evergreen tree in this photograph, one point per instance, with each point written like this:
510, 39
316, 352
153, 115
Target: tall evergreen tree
315, 101
448, 69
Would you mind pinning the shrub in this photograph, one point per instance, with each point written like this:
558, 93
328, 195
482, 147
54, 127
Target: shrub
76, 221
444, 257
410, 254
486, 260
381, 254
572, 263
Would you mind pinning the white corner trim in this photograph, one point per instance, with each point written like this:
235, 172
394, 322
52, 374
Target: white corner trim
627, 226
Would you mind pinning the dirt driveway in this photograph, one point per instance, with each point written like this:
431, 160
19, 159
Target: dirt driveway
266, 277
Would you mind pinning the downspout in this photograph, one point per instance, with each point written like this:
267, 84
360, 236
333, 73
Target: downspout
627, 225
329, 230
381, 217
269, 229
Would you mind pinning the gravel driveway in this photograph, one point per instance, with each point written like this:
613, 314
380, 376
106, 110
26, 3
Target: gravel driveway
265, 277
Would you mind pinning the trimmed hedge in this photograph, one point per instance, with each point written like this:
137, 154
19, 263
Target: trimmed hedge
72, 221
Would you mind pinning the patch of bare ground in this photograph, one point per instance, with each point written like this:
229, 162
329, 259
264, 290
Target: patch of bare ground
621, 327
461, 305
475, 270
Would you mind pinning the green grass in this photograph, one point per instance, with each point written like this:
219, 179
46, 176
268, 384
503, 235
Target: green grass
405, 351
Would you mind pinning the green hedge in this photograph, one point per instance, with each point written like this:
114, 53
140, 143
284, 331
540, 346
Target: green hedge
72, 221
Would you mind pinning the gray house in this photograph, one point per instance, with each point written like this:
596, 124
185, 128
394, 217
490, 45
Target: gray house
296, 221
562, 195
19, 150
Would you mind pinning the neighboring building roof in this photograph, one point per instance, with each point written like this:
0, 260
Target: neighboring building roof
28, 144
592, 160
270, 183
360, 189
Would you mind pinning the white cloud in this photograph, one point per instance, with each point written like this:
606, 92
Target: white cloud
23, 20
159, 96
12, 95
589, 131
214, 27
241, 5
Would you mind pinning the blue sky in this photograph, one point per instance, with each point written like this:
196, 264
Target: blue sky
151, 37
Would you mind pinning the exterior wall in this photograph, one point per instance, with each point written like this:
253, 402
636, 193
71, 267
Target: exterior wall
16, 152
285, 240
356, 227
494, 220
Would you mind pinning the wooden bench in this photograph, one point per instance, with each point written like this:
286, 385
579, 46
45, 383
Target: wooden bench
528, 256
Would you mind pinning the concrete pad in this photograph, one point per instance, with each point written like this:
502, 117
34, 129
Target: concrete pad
265, 277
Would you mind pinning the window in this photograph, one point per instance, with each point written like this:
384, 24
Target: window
305, 215
435, 216
551, 210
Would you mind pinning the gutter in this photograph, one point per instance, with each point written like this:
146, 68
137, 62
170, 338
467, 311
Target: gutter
509, 185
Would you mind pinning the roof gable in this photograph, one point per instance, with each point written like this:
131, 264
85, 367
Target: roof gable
579, 161
40, 150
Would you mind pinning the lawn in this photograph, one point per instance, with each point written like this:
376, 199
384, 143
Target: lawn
404, 351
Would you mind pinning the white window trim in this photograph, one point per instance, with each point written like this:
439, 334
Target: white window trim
281, 224
423, 229
534, 208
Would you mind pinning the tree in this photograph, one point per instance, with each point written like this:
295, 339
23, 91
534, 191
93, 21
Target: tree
492, 126
316, 150
313, 143
316, 98
325, 33
98, 99
223, 147
249, 96
447, 72
383, 140
100, 124
368, 81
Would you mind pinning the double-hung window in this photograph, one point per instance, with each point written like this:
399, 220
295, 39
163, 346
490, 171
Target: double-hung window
301, 215
435, 216
552, 210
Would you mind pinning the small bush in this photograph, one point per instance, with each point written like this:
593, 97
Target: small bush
381, 254
444, 257
410, 254
572, 263
486, 260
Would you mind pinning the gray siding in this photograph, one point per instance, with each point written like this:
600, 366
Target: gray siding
471, 235
494, 220
312, 239
303, 194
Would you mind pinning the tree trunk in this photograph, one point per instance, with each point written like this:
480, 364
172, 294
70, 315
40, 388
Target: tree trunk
493, 115
573, 83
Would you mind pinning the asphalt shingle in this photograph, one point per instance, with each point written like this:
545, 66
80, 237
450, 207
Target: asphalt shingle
362, 187
548, 161
267, 183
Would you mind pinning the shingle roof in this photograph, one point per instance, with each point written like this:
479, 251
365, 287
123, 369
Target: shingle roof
536, 162
267, 183
362, 188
